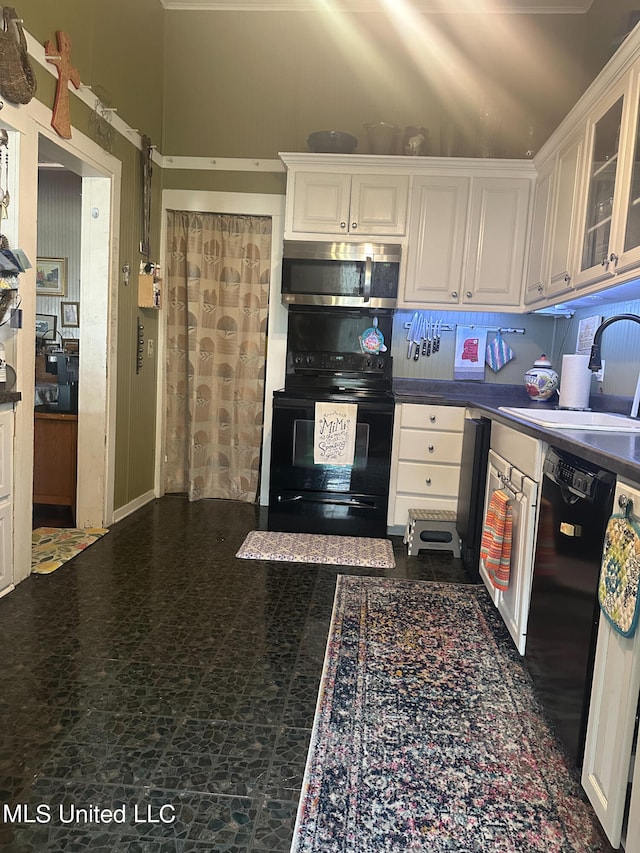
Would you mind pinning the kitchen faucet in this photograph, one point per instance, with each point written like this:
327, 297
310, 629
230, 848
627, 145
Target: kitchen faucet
595, 362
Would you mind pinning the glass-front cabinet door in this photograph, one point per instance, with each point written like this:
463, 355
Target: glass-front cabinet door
603, 173
611, 235
630, 254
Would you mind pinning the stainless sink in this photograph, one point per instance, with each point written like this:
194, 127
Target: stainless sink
569, 419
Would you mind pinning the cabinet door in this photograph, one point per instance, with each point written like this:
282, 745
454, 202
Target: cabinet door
494, 268
604, 132
6, 545
562, 246
378, 204
535, 287
321, 202
513, 603
437, 223
629, 256
6, 453
612, 715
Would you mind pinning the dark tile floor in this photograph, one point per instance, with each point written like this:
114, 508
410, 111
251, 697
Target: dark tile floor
158, 676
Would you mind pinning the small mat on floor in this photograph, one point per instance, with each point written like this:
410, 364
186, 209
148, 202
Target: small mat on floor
318, 548
428, 735
54, 546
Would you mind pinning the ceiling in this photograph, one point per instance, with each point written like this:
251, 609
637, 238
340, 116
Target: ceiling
542, 7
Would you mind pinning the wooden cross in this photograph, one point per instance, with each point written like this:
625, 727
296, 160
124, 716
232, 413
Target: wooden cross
60, 120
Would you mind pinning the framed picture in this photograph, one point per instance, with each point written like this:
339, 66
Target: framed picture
71, 346
46, 325
51, 276
70, 313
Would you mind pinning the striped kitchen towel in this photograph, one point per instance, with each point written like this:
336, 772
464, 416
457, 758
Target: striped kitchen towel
498, 353
495, 546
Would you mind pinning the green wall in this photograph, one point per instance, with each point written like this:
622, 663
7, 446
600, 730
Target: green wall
117, 48
252, 84
248, 85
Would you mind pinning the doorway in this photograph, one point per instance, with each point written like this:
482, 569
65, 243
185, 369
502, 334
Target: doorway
71, 411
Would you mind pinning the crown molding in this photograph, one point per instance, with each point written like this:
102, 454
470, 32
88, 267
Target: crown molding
520, 7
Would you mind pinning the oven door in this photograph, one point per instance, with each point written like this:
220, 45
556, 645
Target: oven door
317, 498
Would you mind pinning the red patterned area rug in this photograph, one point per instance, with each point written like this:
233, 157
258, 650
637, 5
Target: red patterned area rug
318, 548
428, 735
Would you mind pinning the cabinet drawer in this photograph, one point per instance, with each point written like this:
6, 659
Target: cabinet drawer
432, 417
430, 446
424, 479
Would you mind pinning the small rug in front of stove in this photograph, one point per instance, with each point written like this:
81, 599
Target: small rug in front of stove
52, 547
318, 548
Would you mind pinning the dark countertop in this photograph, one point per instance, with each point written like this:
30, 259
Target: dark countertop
10, 397
617, 452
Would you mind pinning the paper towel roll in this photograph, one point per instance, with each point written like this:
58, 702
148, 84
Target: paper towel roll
575, 382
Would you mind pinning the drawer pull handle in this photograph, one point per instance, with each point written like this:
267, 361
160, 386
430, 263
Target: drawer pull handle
431, 448
623, 501
432, 418
428, 481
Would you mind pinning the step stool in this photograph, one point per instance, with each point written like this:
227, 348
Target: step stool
440, 522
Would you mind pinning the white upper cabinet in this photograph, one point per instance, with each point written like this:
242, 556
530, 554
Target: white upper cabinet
339, 204
467, 240
437, 228
562, 261
497, 241
552, 261
537, 270
603, 208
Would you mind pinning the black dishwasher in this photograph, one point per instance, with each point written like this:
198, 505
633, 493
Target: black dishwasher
575, 505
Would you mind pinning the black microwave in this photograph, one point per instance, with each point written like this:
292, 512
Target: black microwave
360, 275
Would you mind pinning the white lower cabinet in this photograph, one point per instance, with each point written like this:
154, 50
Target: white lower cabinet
7, 420
611, 727
513, 603
425, 462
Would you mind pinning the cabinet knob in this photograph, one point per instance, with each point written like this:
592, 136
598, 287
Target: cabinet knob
567, 278
540, 288
454, 294
469, 294
613, 258
343, 224
431, 448
432, 418
354, 225
605, 262
428, 481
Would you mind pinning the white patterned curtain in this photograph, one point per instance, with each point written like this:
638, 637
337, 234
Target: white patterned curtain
218, 271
